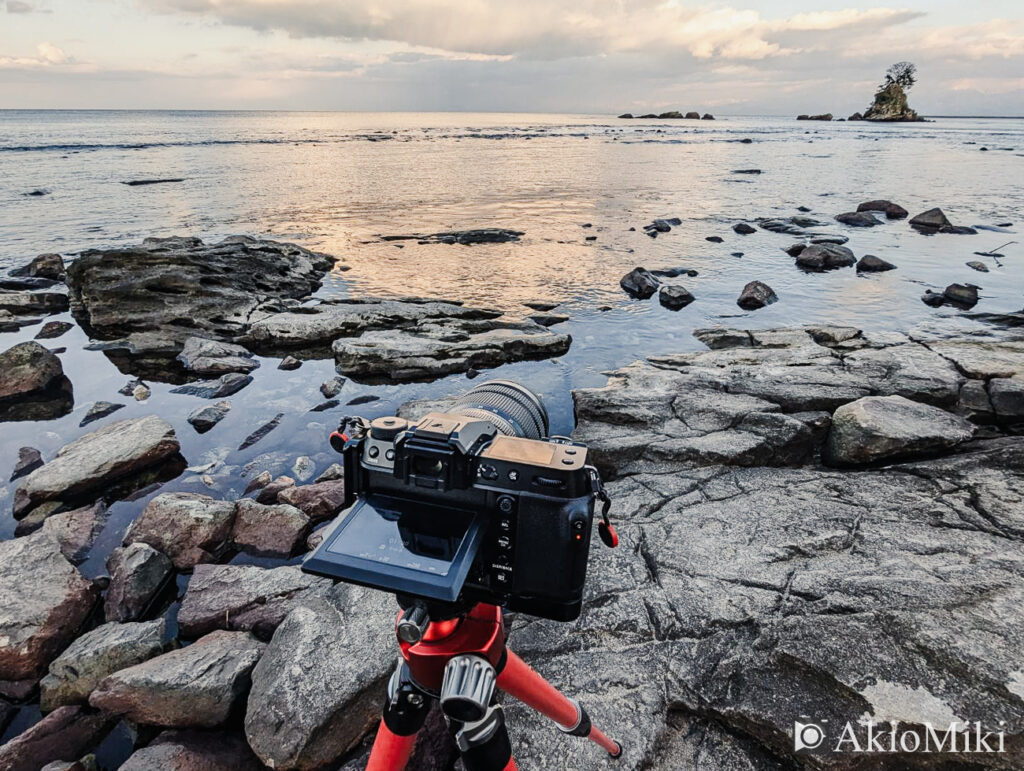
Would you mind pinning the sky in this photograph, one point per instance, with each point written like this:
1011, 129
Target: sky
740, 57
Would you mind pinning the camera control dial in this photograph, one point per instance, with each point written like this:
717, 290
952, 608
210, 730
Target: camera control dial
387, 428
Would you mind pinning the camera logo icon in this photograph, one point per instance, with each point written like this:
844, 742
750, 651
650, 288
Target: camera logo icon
807, 736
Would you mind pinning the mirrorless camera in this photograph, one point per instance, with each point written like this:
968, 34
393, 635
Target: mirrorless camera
476, 504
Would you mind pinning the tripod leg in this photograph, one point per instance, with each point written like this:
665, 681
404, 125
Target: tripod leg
519, 680
484, 745
405, 712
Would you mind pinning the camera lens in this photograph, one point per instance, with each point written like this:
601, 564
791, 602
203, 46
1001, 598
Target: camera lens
513, 409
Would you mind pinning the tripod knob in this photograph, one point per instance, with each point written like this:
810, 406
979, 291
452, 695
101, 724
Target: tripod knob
467, 688
413, 623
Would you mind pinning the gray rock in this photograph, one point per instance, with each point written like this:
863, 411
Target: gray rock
825, 257
99, 410
214, 357
675, 297
965, 295
882, 428
1007, 397
50, 266
53, 329
137, 574
977, 265
464, 237
858, 219
85, 763
274, 531
79, 669
892, 211
29, 459
225, 385
27, 369
871, 264
191, 750
261, 432
333, 473
43, 614
197, 686
316, 691
67, 732
756, 295
258, 482
744, 229
202, 419
319, 501
331, 388
244, 598
304, 467
639, 283
97, 459
541, 305
189, 528
33, 303
289, 363
75, 531
933, 219
549, 319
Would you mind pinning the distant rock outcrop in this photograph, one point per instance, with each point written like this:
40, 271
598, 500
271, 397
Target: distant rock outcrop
823, 116
890, 103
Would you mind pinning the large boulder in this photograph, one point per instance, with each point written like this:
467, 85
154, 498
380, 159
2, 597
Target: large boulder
273, 531
756, 294
214, 357
319, 501
188, 527
193, 750
244, 598
319, 687
32, 384
138, 572
197, 686
65, 734
78, 670
881, 428
76, 530
92, 462
45, 603
48, 266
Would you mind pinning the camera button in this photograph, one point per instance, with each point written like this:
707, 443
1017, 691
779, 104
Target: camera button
373, 452
506, 504
505, 524
487, 471
389, 455
568, 462
504, 542
513, 475
570, 452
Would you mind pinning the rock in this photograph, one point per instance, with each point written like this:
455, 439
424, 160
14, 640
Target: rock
191, 750
707, 116
258, 482
225, 385
756, 295
464, 237
182, 288
319, 501
138, 573
933, 220
289, 363
303, 467
675, 297
29, 459
269, 492
744, 229
141, 393
820, 257
871, 264
693, 115
197, 686
333, 473
36, 518
79, 669
99, 458
75, 531
673, 114
746, 171
274, 531
261, 432
824, 116
639, 283
244, 598
344, 649
977, 265
892, 211
890, 105
202, 419
85, 763
934, 299
49, 266
187, 527
715, 239
883, 428
674, 272
541, 305
214, 357
549, 319
28, 369
66, 733
829, 239
331, 388
99, 410
33, 303
795, 249
43, 615
962, 294
52, 329
857, 219
627, 116
856, 116
1007, 398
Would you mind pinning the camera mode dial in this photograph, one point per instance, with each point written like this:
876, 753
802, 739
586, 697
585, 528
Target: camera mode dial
387, 428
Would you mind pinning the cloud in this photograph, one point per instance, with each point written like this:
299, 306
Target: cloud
47, 55
18, 6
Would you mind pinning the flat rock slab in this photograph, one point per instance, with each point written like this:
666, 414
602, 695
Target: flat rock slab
45, 603
193, 750
197, 686
214, 357
189, 528
66, 733
95, 460
244, 598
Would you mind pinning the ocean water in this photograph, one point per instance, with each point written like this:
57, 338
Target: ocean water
337, 182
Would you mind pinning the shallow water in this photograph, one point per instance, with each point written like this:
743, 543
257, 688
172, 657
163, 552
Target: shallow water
335, 182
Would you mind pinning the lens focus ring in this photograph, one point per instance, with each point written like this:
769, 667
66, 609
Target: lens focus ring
513, 409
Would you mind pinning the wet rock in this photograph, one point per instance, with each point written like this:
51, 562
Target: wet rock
368, 398
857, 219
75, 531
746, 171
97, 459
303, 467
464, 237
707, 116
675, 297
824, 116
962, 294
673, 272
187, 527
627, 116
258, 482
29, 459
202, 419
43, 614
197, 686
639, 283
273, 531
829, 239
756, 295
1007, 398
289, 363
244, 598
78, 670
27, 369
214, 357
871, 264
744, 229
36, 518
891, 210
882, 428
977, 265
821, 257
795, 249
138, 573
33, 303
549, 319
66, 733
319, 501
933, 220
269, 492
192, 750
261, 432
85, 763
225, 385
49, 266
141, 393
333, 473
541, 305
53, 329
331, 388
344, 646
715, 239
99, 410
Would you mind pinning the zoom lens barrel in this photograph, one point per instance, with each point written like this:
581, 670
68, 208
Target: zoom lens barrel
513, 409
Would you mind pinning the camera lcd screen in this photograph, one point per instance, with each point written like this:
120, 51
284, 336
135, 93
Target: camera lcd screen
401, 546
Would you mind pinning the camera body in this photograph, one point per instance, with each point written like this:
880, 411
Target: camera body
450, 509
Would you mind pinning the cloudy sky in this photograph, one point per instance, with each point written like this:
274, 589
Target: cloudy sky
731, 57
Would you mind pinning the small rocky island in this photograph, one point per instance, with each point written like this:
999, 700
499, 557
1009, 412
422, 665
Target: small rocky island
890, 103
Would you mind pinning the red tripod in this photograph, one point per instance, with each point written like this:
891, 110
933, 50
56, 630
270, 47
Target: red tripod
460, 661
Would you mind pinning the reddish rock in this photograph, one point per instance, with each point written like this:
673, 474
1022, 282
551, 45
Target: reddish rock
27, 368
192, 750
66, 733
187, 527
76, 530
268, 530
270, 491
321, 500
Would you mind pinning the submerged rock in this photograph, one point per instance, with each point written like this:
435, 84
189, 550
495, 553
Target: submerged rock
53, 329
820, 257
892, 211
756, 295
202, 419
744, 229
639, 283
138, 573
99, 410
189, 528
977, 265
961, 295
225, 385
261, 432
857, 219
214, 357
465, 237
871, 264
675, 297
